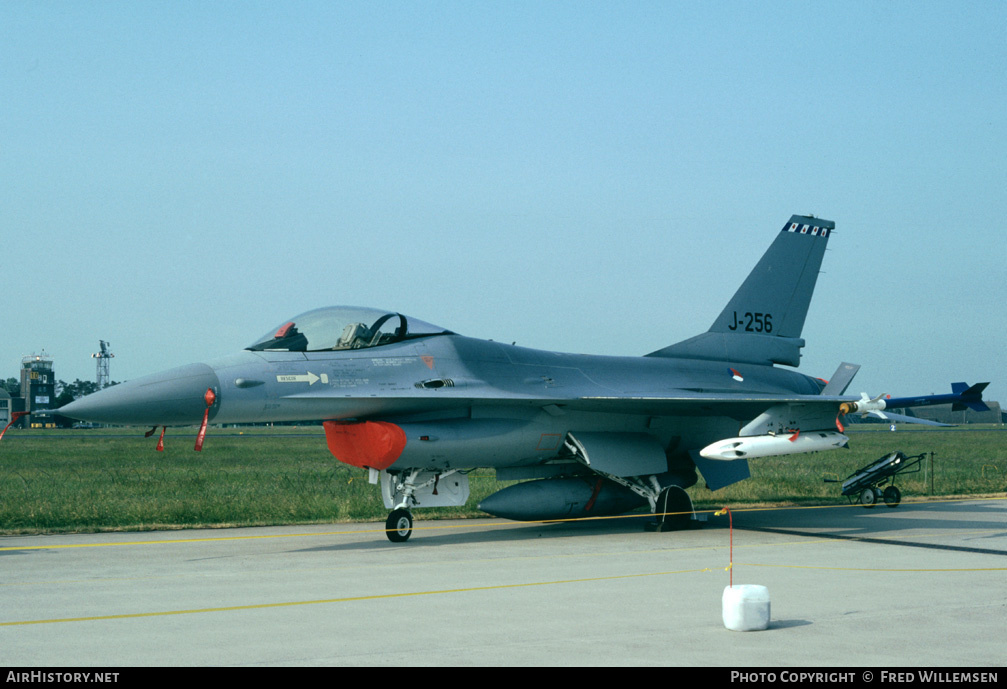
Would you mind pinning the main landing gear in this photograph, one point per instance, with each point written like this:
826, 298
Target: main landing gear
673, 509
671, 505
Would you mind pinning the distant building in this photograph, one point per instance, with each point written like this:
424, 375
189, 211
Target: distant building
38, 387
5, 408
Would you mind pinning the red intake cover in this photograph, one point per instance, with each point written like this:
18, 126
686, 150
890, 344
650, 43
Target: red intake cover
373, 444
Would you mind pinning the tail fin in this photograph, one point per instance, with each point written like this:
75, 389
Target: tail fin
970, 397
763, 321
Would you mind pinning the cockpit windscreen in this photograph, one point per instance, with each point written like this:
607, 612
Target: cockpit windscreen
343, 327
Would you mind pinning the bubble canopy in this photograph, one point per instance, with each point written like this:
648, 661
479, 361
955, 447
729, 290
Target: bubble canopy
343, 327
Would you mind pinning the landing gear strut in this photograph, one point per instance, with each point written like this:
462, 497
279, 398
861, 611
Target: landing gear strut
399, 525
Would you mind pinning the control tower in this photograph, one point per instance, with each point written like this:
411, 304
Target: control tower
38, 384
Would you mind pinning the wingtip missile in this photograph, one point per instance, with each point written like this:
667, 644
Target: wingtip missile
962, 396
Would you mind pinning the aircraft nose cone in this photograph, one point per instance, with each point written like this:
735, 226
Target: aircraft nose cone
170, 398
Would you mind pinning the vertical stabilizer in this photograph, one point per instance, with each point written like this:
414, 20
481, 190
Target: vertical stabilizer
762, 322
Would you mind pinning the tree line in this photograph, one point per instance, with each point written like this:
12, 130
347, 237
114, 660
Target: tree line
65, 393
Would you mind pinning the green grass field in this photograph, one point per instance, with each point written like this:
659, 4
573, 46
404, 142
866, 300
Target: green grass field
965, 462
113, 479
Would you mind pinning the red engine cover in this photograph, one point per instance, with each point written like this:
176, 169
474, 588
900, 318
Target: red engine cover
368, 444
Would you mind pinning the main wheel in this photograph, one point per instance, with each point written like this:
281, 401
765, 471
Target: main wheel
868, 497
675, 500
399, 526
893, 496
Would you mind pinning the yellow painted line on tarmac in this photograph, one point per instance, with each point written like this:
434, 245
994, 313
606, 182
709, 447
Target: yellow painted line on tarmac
353, 599
173, 541
874, 569
178, 541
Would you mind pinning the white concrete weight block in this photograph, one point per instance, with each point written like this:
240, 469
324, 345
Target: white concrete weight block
746, 608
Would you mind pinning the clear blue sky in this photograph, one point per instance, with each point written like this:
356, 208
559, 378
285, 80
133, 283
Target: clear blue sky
178, 177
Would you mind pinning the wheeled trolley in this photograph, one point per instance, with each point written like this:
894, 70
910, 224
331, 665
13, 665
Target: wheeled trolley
876, 481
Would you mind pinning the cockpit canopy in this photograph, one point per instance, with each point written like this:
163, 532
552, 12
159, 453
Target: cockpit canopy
343, 327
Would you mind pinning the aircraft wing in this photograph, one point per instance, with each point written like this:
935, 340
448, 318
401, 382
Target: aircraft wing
764, 412
739, 406
736, 405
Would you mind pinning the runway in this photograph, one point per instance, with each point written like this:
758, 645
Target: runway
921, 585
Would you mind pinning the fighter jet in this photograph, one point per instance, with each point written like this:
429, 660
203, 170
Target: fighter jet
420, 406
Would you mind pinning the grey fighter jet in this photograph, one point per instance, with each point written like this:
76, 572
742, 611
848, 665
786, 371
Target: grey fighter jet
419, 405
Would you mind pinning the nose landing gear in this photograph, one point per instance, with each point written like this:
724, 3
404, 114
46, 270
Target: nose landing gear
408, 488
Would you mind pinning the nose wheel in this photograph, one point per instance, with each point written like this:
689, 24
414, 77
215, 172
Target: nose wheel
399, 526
